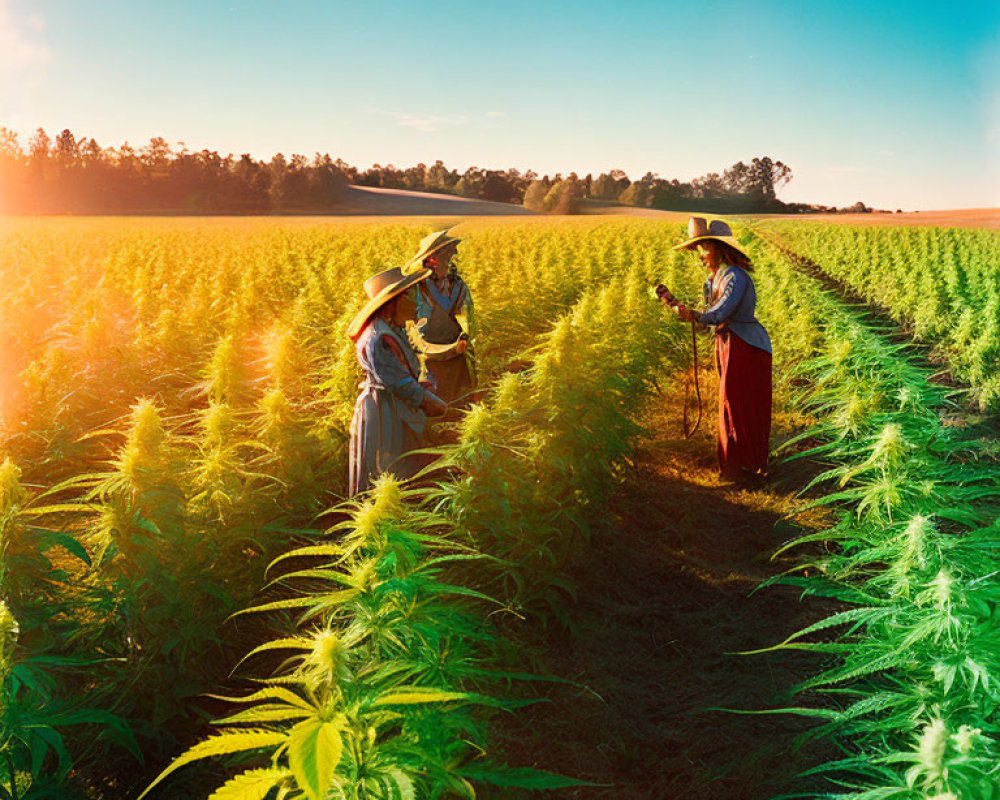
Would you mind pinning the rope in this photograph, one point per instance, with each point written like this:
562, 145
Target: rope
688, 431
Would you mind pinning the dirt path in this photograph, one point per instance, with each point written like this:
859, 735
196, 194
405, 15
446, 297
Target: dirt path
664, 599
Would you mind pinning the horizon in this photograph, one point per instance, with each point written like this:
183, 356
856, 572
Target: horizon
894, 105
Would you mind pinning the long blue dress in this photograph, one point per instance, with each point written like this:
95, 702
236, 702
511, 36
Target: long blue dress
387, 416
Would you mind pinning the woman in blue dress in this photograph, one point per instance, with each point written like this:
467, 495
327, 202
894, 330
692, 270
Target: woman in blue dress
390, 413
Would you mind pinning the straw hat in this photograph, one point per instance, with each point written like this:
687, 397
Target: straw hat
700, 231
430, 244
381, 288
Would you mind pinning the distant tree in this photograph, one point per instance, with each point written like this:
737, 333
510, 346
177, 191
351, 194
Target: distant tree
767, 176
13, 177
413, 177
65, 149
10, 147
471, 183
564, 196
534, 195
326, 183
609, 185
636, 194
604, 188
439, 178
76, 175
40, 145
498, 187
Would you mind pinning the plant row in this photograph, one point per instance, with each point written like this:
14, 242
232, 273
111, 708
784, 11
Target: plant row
389, 653
184, 418
908, 684
942, 283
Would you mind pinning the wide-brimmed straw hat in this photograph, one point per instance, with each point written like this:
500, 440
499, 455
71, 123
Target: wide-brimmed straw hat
700, 231
430, 244
381, 288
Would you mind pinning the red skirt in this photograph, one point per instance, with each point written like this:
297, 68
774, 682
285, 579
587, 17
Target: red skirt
744, 404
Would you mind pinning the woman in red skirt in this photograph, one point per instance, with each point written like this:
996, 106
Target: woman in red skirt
742, 348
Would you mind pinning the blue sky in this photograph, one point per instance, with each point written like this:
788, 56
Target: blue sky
893, 103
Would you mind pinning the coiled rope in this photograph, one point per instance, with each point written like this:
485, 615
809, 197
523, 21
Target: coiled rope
688, 431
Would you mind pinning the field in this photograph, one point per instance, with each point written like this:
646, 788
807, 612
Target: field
180, 574
960, 218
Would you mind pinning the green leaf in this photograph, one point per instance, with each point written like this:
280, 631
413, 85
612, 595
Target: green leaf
522, 778
264, 713
253, 784
295, 602
400, 785
314, 749
48, 538
302, 552
223, 744
271, 693
287, 643
416, 695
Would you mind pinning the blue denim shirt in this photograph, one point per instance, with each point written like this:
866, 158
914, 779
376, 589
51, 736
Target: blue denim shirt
735, 307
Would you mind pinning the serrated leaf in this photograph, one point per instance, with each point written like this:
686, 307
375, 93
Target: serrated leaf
253, 784
223, 744
265, 713
409, 697
314, 749
270, 693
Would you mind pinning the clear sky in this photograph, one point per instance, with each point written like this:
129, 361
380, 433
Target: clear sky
890, 102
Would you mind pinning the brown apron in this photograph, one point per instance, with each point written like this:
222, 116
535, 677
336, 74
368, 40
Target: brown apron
452, 374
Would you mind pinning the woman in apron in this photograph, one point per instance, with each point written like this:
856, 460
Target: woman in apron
444, 318
390, 413
742, 348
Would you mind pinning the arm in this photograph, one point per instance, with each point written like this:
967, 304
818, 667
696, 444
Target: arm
394, 374
729, 299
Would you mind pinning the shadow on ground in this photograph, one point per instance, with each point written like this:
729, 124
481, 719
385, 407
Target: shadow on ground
664, 604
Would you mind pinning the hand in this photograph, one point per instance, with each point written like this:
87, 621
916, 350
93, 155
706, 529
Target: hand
433, 406
683, 312
462, 346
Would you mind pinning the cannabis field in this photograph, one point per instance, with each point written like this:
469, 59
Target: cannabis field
191, 610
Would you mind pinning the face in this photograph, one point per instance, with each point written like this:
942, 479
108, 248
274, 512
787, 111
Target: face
443, 258
709, 255
405, 309
400, 310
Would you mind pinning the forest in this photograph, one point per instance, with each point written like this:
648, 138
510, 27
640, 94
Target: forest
76, 175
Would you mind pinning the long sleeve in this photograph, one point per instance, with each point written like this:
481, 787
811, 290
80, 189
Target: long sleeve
393, 374
729, 299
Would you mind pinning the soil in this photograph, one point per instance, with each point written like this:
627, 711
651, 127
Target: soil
665, 605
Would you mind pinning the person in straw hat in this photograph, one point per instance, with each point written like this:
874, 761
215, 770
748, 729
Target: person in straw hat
444, 317
393, 407
742, 347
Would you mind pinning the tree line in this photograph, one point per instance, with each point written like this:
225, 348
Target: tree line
67, 175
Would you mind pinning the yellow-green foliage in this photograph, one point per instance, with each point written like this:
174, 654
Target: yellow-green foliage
180, 391
944, 283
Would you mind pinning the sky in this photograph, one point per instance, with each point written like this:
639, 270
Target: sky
896, 104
